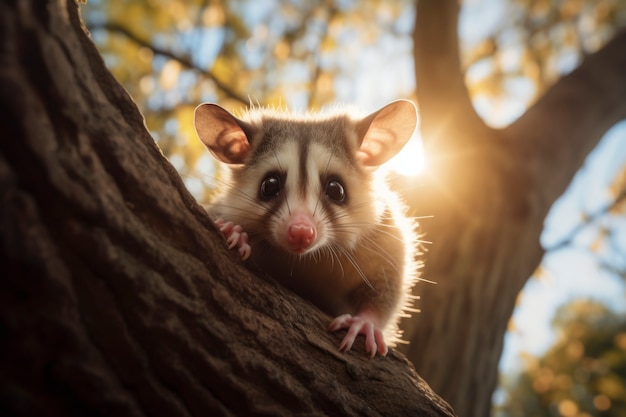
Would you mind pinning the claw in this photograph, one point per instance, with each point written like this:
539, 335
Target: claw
365, 325
244, 247
235, 237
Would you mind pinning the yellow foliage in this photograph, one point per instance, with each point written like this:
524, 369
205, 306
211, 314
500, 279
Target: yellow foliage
612, 386
328, 44
145, 55
540, 7
214, 15
282, 50
598, 243
620, 340
189, 143
543, 380
563, 382
224, 68
146, 84
568, 408
601, 402
511, 326
575, 350
169, 75
618, 192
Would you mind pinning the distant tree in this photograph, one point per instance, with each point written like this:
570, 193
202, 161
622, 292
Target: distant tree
583, 374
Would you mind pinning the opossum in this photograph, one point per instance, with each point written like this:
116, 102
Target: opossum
304, 201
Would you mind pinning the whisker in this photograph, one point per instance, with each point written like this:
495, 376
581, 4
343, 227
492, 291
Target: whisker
335, 256
356, 266
378, 249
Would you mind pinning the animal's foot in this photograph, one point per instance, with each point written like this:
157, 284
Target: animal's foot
360, 324
235, 237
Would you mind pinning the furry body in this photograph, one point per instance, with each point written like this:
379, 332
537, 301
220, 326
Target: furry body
305, 193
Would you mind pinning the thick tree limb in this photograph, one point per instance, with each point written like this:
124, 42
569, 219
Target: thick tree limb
117, 295
570, 119
445, 105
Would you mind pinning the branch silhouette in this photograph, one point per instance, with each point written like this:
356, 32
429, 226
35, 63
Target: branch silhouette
184, 60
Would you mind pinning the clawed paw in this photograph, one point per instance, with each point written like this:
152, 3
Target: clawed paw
235, 237
374, 340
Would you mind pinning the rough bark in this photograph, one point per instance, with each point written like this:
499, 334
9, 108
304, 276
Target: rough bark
117, 295
489, 191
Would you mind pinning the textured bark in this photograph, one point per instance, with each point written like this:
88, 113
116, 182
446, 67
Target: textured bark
117, 295
489, 191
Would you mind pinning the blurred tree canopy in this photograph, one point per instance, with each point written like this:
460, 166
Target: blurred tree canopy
582, 375
537, 42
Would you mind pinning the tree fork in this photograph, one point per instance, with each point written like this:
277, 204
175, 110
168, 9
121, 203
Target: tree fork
489, 191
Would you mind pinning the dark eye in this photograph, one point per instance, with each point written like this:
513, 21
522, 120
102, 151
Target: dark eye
270, 187
335, 191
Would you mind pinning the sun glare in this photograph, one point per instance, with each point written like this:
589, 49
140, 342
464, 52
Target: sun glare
410, 161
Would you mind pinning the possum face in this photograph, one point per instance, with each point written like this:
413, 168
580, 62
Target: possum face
301, 197
303, 183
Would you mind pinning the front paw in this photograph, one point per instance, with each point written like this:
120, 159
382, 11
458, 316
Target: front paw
235, 237
363, 324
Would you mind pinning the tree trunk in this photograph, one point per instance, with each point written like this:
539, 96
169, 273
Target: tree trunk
118, 296
489, 191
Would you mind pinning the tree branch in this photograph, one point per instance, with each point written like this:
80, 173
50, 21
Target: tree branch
571, 118
589, 219
184, 60
445, 104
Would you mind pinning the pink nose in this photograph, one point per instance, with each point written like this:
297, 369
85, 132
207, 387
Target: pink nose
301, 236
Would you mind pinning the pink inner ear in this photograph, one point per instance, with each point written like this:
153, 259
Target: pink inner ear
222, 133
378, 146
232, 145
371, 149
385, 132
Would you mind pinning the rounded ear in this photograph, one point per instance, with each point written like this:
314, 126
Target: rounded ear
222, 133
383, 133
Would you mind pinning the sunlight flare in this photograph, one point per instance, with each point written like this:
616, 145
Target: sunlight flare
410, 162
